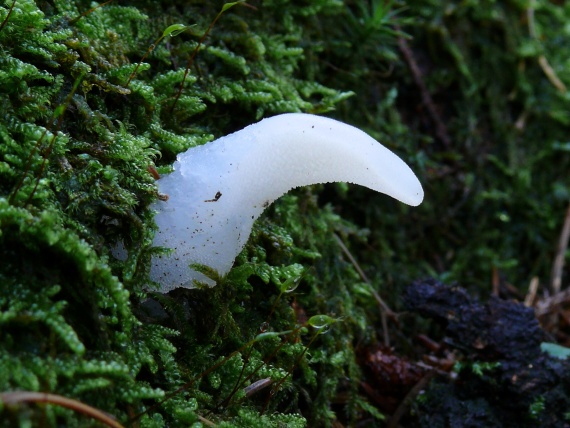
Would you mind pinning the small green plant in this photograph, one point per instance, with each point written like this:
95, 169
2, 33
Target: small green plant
477, 367
537, 407
77, 145
171, 31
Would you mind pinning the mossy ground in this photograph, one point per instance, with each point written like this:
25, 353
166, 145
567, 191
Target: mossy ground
475, 101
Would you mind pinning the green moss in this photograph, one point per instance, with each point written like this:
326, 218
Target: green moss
77, 145
80, 131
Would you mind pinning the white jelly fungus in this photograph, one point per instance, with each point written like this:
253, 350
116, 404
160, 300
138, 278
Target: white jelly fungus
218, 190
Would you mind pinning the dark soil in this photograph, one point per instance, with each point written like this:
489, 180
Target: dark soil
504, 379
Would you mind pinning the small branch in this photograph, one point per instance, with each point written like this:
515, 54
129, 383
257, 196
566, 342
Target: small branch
89, 12
172, 30
558, 265
521, 121
200, 42
542, 61
348, 254
407, 401
532, 289
551, 74
206, 421
385, 310
8, 16
549, 304
19, 397
257, 386
148, 51
440, 128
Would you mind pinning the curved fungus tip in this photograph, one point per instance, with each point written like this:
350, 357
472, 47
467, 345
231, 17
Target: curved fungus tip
218, 190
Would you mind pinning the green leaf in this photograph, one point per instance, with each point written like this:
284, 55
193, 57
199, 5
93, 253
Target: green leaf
174, 30
229, 5
321, 321
555, 350
270, 334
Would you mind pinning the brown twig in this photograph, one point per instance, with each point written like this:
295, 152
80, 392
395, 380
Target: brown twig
257, 386
542, 61
558, 265
385, 310
19, 397
532, 289
551, 74
168, 32
289, 373
206, 422
147, 53
549, 304
440, 128
89, 12
8, 16
407, 401
195, 52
